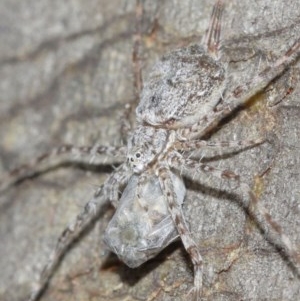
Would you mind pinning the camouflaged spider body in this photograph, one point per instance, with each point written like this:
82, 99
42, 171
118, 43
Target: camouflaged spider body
182, 88
179, 105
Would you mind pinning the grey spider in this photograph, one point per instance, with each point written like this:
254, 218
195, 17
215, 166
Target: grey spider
181, 102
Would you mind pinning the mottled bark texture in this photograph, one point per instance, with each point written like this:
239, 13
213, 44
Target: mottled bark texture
65, 76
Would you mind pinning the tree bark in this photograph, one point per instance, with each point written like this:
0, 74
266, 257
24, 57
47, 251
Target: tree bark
65, 77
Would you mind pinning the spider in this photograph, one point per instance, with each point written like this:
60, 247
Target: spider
169, 126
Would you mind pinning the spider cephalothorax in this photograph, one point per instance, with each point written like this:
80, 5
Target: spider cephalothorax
144, 146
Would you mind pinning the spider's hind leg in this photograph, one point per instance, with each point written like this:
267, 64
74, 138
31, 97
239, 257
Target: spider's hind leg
211, 40
240, 95
126, 124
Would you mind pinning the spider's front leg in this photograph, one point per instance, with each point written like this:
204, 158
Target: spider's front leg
204, 144
274, 231
109, 191
176, 213
58, 156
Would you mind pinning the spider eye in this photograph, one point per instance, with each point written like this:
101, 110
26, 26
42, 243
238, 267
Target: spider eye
170, 82
170, 121
138, 155
155, 100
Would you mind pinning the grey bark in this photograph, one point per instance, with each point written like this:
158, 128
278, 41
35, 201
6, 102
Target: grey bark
65, 76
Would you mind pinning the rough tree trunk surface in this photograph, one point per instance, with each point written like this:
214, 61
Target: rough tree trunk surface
65, 76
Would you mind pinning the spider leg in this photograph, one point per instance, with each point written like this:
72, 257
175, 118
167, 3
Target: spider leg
182, 228
202, 144
268, 224
211, 40
241, 95
137, 70
136, 54
141, 182
64, 153
90, 213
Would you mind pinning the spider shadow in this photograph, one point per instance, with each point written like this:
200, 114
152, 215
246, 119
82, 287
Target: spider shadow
221, 155
132, 276
88, 228
126, 274
34, 175
236, 198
